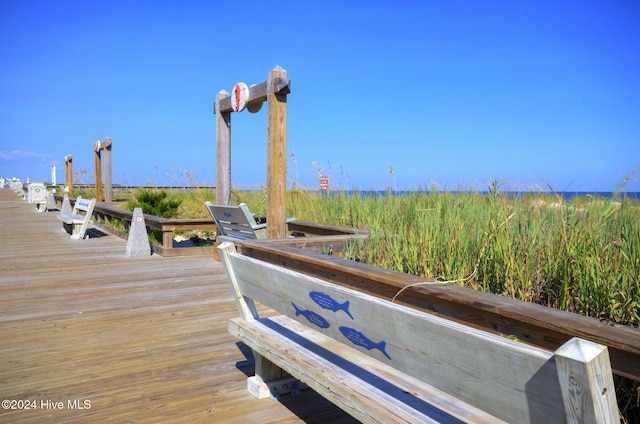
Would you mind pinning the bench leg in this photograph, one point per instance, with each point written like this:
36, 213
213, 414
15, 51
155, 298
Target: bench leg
266, 371
75, 233
271, 380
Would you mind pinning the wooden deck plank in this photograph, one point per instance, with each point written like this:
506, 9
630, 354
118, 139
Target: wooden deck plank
143, 339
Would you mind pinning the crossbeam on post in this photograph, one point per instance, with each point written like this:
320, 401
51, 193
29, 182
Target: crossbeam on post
274, 91
258, 93
97, 148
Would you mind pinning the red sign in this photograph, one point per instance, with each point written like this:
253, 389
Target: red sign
239, 96
324, 183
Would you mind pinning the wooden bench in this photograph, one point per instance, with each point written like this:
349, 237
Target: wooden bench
384, 362
237, 222
78, 220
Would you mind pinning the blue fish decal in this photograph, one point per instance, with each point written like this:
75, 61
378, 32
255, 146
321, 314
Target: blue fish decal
358, 338
312, 317
327, 302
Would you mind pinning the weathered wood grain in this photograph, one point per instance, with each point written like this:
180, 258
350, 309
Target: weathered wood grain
143, 339
393, 398
537, 325
508, 379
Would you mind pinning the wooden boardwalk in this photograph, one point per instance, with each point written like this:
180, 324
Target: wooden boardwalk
88, 334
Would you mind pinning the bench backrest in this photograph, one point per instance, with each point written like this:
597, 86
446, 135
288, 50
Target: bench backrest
84, 205
236, 221
508, 379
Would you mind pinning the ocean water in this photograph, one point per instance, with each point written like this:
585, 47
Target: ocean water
566, 196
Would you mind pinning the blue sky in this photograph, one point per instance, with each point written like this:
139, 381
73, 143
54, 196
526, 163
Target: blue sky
453, 93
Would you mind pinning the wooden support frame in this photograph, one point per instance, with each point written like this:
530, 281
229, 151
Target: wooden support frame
276, 157
108, 184
223, 151
68, 173
274, 91
98, 167
108, 168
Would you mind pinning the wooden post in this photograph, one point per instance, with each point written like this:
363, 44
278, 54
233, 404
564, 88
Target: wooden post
223, 152
68, 173
276, 156
588, 393
108, 176
98, 165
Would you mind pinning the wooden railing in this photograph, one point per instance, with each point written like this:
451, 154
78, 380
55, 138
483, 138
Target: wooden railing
537, 325
167, 226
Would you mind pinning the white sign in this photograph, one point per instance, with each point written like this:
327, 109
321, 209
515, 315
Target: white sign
37, 193
239, 97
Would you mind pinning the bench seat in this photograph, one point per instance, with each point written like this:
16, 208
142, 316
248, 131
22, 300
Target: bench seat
359, 384
71, 218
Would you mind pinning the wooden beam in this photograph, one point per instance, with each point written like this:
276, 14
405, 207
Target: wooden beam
223, 152
108, 170
68, 172
276, 156
98, 166
323, 229
257, 94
